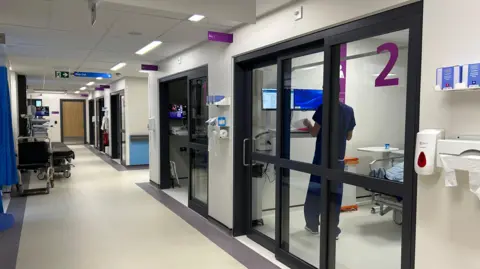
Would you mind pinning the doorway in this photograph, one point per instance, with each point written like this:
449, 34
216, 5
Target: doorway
91, 121
184, 139
100, 114
117, 105
310, 141
73, 119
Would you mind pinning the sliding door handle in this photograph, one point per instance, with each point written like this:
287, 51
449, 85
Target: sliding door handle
244, 152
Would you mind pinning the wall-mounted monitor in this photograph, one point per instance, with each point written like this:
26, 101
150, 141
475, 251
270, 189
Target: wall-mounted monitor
177, 111
269, 99
307, 99
42, 111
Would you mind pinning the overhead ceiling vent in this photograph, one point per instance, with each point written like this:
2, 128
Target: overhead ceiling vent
2, 39
135, 33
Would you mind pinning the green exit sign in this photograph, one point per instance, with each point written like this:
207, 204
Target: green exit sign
62, 74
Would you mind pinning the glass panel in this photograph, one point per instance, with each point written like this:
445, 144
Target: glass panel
373, 86
302, 206
199, 110
264, 105
370, 235
305, 87
264, 121
199, 165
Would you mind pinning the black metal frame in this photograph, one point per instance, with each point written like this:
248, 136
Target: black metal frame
84, 117
91, 113
99, 104
116, 122
165, 182
406, 17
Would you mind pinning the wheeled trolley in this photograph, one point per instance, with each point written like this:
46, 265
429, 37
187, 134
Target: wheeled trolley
35, 155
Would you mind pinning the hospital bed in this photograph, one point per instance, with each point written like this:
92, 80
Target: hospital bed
383, 203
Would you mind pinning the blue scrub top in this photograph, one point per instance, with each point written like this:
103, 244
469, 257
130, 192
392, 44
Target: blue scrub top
347, 124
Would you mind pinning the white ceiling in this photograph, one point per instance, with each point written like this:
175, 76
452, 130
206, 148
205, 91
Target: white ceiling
47, 35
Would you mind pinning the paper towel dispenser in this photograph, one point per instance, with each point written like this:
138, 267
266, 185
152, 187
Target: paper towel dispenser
466, 149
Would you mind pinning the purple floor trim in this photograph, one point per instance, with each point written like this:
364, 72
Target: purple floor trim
233, 247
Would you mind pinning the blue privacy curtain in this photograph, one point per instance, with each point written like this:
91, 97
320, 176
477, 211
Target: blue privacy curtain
8, 161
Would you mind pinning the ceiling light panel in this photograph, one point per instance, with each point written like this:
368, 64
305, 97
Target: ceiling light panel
91, 83
196, 18
118, 66
83, 88
148, 47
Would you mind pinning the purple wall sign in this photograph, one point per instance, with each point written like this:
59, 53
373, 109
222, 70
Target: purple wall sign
84, 95
105, 87
55, 113
99, 89
343, 72
382, 80
220, 37
149, 67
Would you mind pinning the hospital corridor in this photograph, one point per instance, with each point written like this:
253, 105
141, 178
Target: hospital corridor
225, 134
104, 218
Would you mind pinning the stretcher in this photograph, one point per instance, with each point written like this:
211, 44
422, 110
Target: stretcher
62, 159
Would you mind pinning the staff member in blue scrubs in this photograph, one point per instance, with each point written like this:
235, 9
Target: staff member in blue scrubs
312, 202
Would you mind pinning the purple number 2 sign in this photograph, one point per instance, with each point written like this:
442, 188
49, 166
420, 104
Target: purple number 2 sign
382, 80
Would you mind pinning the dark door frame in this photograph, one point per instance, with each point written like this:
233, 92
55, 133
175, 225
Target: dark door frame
91, 113
98, 115
116, 123
164, 164
329, 40
84, 117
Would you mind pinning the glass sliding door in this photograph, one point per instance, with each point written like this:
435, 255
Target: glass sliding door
324, 144
198, 133
372, 115
262, 143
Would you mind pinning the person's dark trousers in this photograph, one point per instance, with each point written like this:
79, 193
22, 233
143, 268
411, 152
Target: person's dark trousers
313, 203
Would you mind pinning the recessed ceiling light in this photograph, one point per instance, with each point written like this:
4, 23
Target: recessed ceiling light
148, 47
11, 68
196, 18
90, 83
77, 92
83, 88
118, 66
99, 78
143, 71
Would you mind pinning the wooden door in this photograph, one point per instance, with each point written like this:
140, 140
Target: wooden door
73, 121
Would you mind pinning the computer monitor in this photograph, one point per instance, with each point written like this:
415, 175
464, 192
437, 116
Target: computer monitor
42, 111
269, 99
307, 99
176, 111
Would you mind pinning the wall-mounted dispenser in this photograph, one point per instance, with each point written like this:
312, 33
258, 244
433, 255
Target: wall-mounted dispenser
426, 151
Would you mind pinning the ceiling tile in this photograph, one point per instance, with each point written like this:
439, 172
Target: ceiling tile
150, 27
141, 10
25, 12
74, 15
17, 35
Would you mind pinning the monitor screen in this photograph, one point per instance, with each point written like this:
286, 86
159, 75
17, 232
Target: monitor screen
176, 111
307, 99
269, 99
38, 103
42, 111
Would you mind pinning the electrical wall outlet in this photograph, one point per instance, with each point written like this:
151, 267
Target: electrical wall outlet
298, 13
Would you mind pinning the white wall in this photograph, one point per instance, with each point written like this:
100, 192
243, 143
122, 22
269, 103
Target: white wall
318, 14
136, 109
448, 218
53, 102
